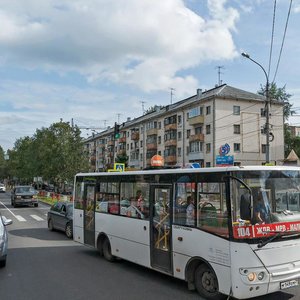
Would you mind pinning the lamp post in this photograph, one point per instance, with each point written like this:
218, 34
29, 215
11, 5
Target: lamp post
266, 108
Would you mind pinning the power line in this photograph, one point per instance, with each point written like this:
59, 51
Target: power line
272, 38
283, 39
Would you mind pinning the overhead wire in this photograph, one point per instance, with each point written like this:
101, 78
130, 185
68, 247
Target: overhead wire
283, 39
272, 38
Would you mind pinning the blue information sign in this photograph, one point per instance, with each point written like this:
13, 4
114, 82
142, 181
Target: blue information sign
224, 160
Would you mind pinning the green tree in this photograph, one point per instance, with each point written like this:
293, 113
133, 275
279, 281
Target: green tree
55, 154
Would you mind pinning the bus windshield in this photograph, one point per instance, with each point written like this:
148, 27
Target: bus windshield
267, 204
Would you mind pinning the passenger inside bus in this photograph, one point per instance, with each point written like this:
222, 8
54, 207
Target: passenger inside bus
262, 210
190, 211
132, 209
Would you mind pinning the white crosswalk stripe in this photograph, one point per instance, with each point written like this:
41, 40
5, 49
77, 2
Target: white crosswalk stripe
37, 217
20, 218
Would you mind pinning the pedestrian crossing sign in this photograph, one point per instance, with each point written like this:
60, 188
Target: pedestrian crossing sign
119, 167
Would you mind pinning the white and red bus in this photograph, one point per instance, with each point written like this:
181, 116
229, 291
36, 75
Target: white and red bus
232, 231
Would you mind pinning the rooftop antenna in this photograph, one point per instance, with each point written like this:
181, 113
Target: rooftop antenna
119, 118
143, 108
172, 89
219, 74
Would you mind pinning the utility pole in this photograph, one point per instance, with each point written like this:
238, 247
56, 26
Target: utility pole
267, 107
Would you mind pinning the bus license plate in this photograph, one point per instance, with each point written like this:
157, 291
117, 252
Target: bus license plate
289, 284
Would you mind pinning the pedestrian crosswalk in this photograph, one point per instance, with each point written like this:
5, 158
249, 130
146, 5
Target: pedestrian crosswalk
35, 217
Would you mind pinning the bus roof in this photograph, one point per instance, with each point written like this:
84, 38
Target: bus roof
191, 170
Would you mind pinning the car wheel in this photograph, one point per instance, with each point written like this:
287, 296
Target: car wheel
69, 231
107, 251
2, 263
36, 204
50, 225
207, 283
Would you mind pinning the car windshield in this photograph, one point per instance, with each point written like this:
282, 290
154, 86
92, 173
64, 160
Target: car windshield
25, 189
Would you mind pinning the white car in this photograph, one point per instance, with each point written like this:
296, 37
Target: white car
2, 188
3, 239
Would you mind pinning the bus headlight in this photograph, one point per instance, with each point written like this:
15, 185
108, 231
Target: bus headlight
251, 276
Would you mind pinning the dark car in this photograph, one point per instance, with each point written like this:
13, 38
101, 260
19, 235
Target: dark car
24, 195
3, 239
60, 217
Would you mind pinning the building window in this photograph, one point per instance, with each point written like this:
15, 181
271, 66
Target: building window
141, 157
208, 148
207, 164
236, 110
237, 147
263, 148
159, 152
179, 119
208, 110
198, 130
207, 129
127, 146
141, 144
196, 147
188, 133
237, 129
159, 125
159, 139
179, 133
179, 152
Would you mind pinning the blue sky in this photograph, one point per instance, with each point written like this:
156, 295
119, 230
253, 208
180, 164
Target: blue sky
96, 61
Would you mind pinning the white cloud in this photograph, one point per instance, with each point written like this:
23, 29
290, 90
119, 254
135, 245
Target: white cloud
140, 42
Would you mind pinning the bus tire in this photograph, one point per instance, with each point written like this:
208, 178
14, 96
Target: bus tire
206, 283
107, 251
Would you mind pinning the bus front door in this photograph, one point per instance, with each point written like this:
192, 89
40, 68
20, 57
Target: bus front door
160, 236
89, 214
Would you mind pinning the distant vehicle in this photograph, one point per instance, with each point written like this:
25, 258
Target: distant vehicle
24, 195
60, 217
3, 240
2, 188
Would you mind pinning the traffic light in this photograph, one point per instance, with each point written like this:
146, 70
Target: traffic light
117, 131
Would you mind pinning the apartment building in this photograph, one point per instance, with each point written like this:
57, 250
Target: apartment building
195, 130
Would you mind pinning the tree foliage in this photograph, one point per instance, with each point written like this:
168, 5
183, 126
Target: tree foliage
55, 154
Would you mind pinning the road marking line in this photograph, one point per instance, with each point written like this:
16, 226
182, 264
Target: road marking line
37, 217
8, 209
20, 218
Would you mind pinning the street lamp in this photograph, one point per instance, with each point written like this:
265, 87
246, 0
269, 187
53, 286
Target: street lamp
266, 108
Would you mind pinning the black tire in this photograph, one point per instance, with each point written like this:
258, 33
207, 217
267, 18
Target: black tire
36, 204
107, 251
69, 231
100, 246
207, 283
50, 225
2, 263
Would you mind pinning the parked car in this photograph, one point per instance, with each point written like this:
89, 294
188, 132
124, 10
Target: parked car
24, 195
2, 188
60, 217
3, 239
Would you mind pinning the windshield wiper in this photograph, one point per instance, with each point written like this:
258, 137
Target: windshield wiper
277, 235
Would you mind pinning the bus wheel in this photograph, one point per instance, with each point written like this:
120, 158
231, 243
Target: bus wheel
107, 251
207, 283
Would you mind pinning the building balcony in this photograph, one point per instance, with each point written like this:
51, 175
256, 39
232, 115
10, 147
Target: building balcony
122, 139
172, 142
110, 143
135, 136
121, 152
196, 137
170, 159
152, 146
171, 127
194, 156
152, 131
196, 120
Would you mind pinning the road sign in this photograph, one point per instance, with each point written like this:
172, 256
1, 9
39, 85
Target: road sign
119, 167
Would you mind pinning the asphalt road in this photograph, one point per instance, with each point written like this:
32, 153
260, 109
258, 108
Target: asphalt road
44, 265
